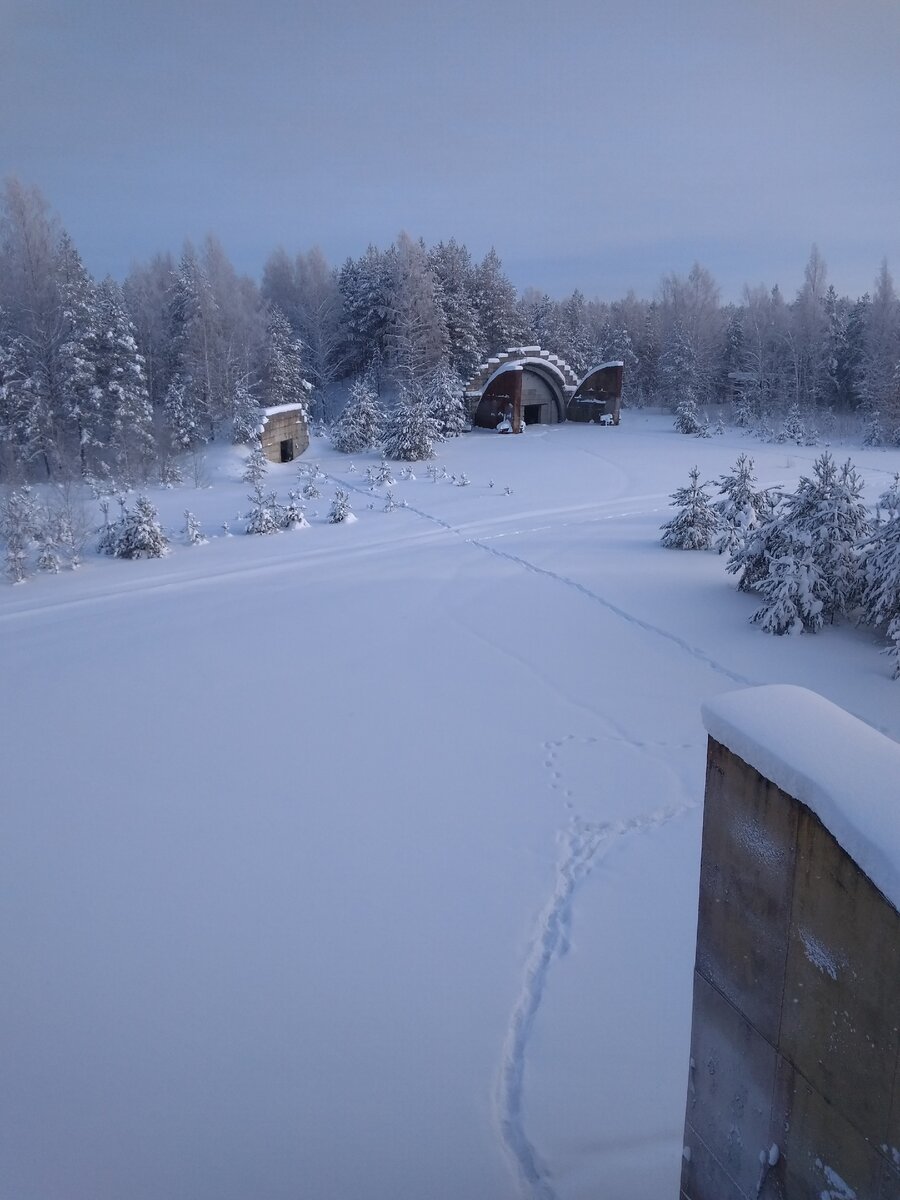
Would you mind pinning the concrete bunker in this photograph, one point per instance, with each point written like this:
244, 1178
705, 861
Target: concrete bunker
285, 433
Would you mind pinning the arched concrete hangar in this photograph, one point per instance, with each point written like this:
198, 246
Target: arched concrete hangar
524, 385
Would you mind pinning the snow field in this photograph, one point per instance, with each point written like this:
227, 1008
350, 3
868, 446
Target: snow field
361, 861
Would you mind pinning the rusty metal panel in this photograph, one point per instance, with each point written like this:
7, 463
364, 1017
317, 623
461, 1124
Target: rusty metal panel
749, 844
841, 1023
730, 1089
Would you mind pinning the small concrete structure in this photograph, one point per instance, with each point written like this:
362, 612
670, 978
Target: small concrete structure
285, 433
523, 385
794, 1081
598, 398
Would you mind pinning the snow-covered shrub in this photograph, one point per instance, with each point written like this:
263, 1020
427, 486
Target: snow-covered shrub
687, 418
696, 524
719, 427
263, 515
340, 507
705, 429
742, 507
411, 430
807, 553
359, 426
310, 491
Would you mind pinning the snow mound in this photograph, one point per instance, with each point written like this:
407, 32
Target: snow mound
835, 764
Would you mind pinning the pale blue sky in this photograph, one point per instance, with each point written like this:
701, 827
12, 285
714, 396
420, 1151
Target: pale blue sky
594, 144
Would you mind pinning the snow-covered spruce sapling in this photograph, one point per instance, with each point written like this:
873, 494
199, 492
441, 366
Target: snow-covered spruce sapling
705, 429
310, 491
743, 506
140, 533
696, 524
389, 502
794, 589
687, 418
793, 428
463, 480
263, 515
192, 533
256, 466
340, 507
359, 426
292, 515
410, 429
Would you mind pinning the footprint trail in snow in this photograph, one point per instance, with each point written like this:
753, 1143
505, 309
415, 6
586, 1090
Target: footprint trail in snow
583, 844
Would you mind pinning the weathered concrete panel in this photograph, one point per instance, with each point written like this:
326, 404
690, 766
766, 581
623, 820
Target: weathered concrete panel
730, 1088
749, 844
820, 1151
701, 1175
842, 991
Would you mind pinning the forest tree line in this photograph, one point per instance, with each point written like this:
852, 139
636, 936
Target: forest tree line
119, 379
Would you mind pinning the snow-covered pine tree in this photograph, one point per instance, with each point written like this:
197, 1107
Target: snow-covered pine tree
794, 589
246, 415
340, 507
19, 524
743, 506
687, 418
282, 375
75, 367
263, 515
880, 559
122, 386
444, 393
140, 534
256, 466
696, 524
743, 412
793, 428
358, 428
410, 428
814, 533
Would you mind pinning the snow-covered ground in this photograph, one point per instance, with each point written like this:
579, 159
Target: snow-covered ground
361, 862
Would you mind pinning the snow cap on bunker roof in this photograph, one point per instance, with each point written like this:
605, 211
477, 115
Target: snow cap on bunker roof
844, 770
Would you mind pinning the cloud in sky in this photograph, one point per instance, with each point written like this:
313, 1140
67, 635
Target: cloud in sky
595, 144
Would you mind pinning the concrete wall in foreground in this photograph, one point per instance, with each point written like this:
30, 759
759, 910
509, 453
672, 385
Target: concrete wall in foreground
796, 1023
